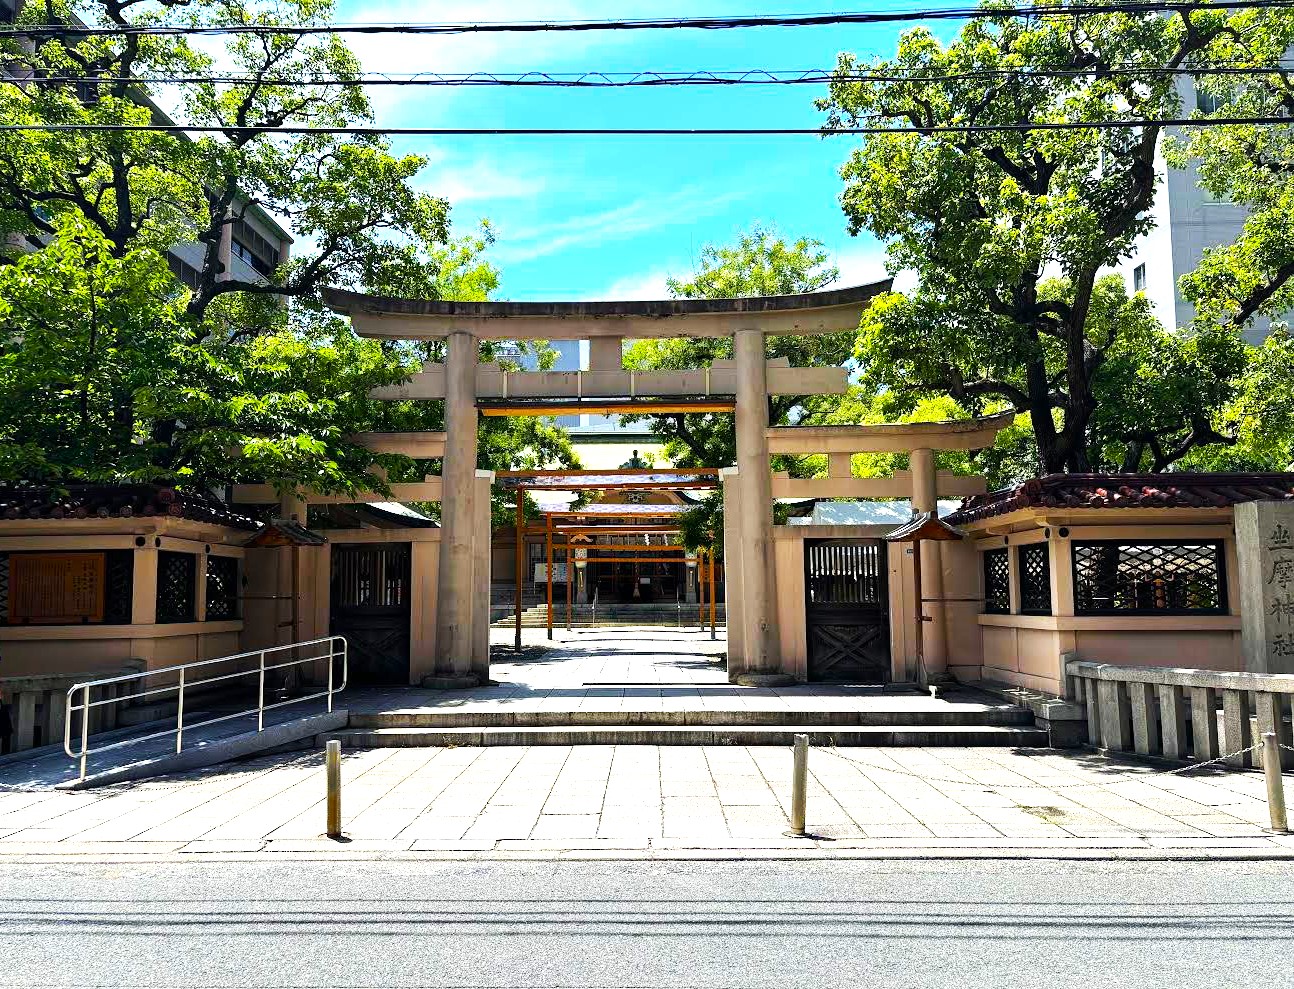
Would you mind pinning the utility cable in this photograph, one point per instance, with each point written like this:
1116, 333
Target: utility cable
1192, 122
612, 80
653, 24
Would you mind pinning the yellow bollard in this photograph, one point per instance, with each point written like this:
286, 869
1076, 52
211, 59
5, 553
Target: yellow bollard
332, 762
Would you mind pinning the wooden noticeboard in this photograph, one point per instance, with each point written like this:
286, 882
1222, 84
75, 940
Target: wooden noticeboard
56, 588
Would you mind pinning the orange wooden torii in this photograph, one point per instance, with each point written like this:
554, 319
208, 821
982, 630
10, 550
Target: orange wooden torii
575, 480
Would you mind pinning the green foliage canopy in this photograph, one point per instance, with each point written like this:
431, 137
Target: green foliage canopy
1008, 232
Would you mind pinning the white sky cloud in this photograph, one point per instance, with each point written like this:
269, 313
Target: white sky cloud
649, 285
863, 262
615, 223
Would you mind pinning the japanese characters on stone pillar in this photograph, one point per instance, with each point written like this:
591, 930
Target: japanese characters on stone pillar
1265, 549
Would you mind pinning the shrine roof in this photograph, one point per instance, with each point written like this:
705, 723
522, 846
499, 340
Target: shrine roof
1176, 490
89, 501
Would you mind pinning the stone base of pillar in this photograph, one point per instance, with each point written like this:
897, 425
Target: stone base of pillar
464, 682
762, 679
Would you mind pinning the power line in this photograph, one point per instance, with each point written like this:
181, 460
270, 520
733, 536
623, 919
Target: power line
613, 80
1194, 122
648, 24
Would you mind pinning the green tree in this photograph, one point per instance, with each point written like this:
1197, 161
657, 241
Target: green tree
759, 262
113, 368
1008, 231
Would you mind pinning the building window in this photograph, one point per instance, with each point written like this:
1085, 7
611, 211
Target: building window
185, 272
1139, 278
90, 588
997, 582
254, 249
176, 587
222, 588
1150, 577
1205, 101
1034, 562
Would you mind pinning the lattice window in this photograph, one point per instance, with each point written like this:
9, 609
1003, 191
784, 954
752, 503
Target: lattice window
176, 587
845, 573
1149, 578
1035, 579
118, 591
997, 582
222, 588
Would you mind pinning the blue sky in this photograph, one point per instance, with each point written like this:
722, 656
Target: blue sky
609, 217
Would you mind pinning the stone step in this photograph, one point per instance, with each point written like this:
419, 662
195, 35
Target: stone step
894, 735
970, 716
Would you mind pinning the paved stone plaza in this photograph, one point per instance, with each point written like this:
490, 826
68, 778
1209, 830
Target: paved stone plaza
626, 799
632, 799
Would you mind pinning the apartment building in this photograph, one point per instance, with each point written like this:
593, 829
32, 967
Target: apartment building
1188, 221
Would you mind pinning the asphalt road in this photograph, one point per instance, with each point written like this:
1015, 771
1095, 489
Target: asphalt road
963, 924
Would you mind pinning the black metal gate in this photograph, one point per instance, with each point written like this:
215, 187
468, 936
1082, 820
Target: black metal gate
370, 606
847, 610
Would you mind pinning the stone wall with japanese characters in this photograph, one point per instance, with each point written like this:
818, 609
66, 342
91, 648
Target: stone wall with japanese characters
1265, 583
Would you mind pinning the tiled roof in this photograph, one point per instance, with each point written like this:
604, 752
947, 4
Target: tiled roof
80, 501
1182, 490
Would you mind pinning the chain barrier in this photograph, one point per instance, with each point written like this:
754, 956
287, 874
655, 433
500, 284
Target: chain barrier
1143, 777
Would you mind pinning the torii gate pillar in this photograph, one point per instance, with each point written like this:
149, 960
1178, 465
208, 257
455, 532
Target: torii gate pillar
455, 643
759, 660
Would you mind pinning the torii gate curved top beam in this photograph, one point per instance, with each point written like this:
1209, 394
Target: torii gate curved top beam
422, 319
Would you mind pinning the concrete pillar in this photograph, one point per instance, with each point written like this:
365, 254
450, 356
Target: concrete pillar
143, 601
1146, 736
606, 353
1172, 720
287, 610
1264, 585
925, 498
24, 720
1236, 731
56, 716
760, 640
732, 571
457, 518
1204, 724
481, 577
1116, 716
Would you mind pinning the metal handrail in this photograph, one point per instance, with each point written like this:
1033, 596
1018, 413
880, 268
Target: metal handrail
336, 646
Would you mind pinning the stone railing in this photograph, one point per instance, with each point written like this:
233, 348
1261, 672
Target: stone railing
38, 707
1174, 713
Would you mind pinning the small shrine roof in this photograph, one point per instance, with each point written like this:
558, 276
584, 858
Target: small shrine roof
89, 501
1172, 490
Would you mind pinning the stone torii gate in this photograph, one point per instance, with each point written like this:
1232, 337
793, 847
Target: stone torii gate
741, 386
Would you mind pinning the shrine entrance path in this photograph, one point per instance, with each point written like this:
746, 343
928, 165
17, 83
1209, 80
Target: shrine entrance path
647, 668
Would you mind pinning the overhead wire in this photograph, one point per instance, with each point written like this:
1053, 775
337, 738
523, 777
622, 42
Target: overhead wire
610, 80
650, 24
373, 130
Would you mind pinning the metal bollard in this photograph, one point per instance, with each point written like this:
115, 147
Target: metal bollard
332, 761
799, 786
1275, 782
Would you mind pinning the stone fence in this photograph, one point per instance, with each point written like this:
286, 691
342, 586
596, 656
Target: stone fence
37, 707
1159, 711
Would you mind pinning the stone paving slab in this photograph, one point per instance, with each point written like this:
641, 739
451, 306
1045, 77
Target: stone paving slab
644, 800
